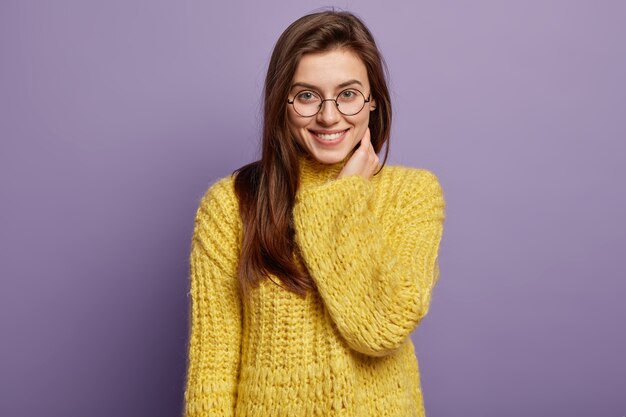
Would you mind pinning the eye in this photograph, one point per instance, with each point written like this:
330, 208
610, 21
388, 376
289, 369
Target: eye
306, 96
348, 95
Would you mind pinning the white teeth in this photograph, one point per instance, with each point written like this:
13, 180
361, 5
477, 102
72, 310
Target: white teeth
329, 137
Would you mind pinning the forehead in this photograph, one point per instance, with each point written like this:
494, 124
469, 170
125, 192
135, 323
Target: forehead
331, 68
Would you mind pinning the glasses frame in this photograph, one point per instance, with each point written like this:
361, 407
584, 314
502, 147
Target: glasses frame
365, 100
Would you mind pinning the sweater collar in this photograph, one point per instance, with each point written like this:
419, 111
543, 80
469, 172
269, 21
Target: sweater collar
313, 172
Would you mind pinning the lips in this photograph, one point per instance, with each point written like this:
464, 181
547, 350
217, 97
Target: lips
328, 135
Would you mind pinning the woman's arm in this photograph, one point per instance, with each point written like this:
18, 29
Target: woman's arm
375, 281
215, 317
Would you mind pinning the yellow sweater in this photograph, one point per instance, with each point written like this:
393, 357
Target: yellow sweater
345, 350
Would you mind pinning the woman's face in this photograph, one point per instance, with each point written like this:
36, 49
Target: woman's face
329, 136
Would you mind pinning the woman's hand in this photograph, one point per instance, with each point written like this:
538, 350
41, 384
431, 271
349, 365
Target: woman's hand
364, 161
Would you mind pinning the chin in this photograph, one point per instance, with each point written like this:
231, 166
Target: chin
329, 160
329, 157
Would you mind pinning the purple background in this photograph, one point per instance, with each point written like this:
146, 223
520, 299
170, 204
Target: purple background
116, 116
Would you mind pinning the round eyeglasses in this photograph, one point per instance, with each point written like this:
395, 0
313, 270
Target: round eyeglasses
349, 102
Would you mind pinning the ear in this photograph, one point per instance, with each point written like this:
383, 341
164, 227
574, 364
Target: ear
372, 104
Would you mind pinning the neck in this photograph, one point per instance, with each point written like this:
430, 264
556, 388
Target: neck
313, 172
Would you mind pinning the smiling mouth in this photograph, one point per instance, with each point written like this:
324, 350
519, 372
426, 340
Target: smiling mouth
329, 136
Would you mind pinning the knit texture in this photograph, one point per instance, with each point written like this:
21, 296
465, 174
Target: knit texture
345, 350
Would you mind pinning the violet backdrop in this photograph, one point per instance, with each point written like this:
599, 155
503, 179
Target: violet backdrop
116, 116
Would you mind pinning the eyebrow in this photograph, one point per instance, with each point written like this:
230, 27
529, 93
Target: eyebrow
344, 84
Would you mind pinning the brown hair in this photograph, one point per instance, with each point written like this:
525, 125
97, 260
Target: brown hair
267, 188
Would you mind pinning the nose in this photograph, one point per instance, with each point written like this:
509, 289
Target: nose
329, 113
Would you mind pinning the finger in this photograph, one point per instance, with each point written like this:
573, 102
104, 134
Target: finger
366, 137
364, 144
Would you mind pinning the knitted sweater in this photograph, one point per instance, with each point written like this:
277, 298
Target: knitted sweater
345, 350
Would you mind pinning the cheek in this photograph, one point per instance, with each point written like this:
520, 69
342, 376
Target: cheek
295, 125
360, 126
363, 121
295, 122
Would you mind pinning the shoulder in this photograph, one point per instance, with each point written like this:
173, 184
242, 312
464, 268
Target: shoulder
219, 203
221, 190
413, 193
410, 182
217, 229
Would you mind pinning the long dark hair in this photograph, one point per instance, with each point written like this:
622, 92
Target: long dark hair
267, 188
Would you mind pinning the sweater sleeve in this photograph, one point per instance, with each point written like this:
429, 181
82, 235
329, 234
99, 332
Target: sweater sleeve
215, 313
374, 277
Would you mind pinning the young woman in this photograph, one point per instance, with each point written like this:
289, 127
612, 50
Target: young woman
311, 267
